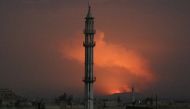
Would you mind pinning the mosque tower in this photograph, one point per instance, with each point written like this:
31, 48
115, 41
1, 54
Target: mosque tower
89, 44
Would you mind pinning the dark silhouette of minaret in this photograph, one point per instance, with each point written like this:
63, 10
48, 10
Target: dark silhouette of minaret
89, 45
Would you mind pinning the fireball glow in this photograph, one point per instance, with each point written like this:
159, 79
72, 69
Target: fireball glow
116, 67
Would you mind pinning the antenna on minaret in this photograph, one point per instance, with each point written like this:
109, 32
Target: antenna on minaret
89, 10
88, 3
89, 6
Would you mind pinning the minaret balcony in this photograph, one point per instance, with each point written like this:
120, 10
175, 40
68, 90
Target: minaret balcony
89, 44
89, 31
89, 80
89, 18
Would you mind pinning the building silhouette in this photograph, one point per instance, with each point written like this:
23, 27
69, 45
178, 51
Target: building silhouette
7, 97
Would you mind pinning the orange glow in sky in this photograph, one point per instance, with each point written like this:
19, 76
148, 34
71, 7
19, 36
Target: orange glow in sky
115, 91
116, 67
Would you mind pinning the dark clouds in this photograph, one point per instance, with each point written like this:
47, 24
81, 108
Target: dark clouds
30, 30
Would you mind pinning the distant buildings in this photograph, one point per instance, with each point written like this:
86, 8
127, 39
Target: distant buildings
7, 97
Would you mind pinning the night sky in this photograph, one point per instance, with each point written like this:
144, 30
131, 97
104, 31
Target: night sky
140, 43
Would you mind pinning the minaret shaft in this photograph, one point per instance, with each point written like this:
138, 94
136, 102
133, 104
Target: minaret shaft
89, 60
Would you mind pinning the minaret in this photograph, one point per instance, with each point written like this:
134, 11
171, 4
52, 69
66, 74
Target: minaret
89, 44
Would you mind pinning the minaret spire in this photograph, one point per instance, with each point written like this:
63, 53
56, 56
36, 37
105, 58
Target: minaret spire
88, 3
89, 10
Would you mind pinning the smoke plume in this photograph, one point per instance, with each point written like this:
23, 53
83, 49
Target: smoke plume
117, 67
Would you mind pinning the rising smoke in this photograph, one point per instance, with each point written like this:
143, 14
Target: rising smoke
117, 67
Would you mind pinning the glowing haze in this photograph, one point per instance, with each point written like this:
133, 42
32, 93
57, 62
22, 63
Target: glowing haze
142, 43
117, 68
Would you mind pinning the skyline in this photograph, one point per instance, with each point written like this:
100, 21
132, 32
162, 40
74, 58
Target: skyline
154, 35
